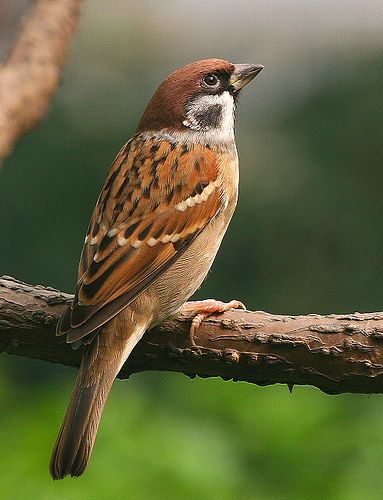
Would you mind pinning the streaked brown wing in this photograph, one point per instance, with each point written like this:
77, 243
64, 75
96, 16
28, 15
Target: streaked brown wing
157, 197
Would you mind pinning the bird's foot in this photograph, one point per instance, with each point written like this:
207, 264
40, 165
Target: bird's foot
203, 309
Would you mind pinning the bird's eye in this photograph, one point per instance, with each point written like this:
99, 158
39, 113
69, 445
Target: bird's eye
210, 80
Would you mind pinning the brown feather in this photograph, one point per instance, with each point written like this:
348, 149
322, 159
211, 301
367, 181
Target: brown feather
123, 253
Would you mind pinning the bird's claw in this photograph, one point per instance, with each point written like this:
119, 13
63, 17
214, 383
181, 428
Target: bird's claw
203, 309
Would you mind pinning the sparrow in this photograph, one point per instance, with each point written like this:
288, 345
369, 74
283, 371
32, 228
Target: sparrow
154, 233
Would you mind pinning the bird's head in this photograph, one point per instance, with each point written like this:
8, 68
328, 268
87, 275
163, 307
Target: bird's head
198, 100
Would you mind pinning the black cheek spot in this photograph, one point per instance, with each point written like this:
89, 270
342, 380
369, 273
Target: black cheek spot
211, 117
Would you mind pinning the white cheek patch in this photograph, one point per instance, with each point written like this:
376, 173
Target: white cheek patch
212, 115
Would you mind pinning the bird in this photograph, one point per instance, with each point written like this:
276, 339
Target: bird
156, 228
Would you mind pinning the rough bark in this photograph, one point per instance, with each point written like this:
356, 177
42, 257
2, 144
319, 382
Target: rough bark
31, 73
336, 353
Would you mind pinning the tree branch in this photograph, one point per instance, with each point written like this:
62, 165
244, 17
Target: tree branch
337, 353
32, 71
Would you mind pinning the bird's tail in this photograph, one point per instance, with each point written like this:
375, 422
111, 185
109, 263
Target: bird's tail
101, 363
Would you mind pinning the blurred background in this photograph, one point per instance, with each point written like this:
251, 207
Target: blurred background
307, 237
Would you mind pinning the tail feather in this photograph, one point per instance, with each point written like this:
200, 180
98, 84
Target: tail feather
101, 363
76, 438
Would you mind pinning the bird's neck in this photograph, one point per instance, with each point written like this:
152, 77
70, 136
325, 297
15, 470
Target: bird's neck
191, 137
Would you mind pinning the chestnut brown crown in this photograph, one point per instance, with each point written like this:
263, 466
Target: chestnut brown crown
167, 108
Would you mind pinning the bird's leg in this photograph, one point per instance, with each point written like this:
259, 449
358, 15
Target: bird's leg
202, 309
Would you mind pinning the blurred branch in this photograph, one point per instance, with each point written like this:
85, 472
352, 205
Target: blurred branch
337, 353
31, 73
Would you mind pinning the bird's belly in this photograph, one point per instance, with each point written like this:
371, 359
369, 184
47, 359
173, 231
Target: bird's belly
176, 285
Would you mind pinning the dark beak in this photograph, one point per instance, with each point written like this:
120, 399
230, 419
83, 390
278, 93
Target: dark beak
243, 74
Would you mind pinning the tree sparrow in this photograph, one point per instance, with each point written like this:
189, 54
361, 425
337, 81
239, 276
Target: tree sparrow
154, 233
